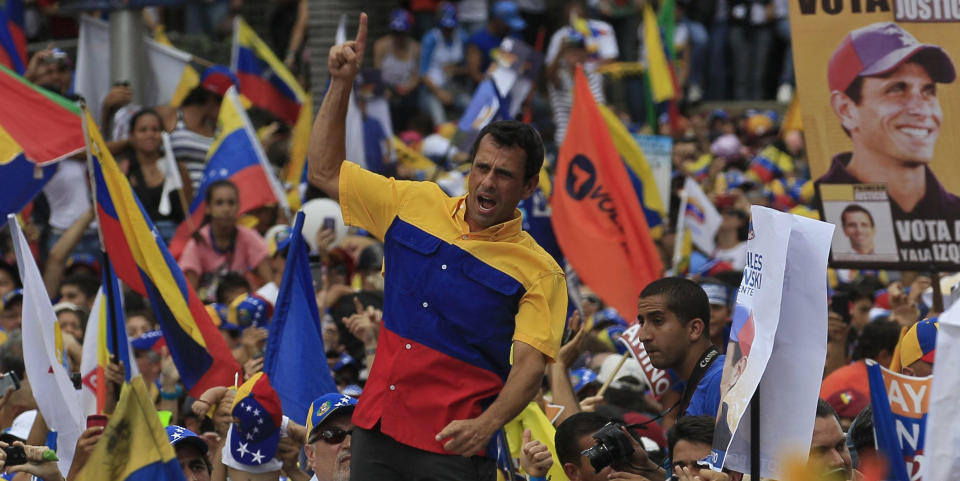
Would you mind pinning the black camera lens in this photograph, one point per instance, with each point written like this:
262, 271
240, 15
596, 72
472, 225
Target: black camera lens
613, 447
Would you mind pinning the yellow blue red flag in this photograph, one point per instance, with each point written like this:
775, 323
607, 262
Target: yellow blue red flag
134, 446
141, 260
661, 78
267, 82
236, 155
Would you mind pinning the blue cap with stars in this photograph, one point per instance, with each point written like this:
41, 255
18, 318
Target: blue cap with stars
257, 417
181, 435
324, 406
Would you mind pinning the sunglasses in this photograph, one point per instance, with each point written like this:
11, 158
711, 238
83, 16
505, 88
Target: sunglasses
332, 435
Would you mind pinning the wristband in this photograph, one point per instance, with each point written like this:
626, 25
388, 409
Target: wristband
536, 478
172, 396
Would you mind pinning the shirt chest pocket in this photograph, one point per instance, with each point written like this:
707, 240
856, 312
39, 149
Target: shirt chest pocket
409, 257
489, 301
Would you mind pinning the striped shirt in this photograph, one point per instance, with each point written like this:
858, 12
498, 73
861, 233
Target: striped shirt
190, 149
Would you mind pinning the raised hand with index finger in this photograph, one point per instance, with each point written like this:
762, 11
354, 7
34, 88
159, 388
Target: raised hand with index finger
345, 59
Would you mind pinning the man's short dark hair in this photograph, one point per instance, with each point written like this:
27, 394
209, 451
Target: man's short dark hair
854, 208
85, 282
685, 298
571, 430
230, 281
876, 337
861, 429
695, 429
824, 409
509, 133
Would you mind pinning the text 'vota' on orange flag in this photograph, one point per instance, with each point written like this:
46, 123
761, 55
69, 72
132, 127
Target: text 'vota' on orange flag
597, 218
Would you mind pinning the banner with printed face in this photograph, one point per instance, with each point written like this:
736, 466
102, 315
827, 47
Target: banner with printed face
900, 404
881, 109
777, 343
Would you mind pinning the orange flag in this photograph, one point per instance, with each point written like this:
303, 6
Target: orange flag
597, 217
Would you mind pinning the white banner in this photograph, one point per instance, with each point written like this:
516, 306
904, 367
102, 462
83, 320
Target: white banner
943, 434
700, 217
777, 343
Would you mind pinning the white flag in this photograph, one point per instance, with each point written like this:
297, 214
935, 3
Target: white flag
171, 176
56, 397
942, 445
164, 67
701, 217
90, 361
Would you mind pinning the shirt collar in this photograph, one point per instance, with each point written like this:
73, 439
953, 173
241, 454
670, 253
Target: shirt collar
502, 231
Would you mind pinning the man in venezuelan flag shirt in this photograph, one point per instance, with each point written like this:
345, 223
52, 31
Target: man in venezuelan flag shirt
467, 291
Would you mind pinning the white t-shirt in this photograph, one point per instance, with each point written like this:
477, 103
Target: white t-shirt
68, 193
736, 255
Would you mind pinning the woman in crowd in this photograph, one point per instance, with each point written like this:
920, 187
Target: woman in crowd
146, 173
222, 246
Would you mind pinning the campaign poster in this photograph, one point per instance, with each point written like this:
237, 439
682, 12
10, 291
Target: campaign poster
877, 82
658, 150
754, 325
777, 344
900, 405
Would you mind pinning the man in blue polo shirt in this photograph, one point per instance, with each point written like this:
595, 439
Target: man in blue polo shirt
674, 315
466, 292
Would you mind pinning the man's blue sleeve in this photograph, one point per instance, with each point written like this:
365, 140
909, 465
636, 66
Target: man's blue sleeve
426, 51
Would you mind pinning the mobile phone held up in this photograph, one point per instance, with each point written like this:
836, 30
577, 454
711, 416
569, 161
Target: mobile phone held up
9, 381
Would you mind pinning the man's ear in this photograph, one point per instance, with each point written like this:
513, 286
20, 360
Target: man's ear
845, 109
696, 329
572, 471
884, 357
908, 371
530, 186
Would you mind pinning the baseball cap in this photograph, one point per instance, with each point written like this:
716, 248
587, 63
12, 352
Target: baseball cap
218, 314
581, 377
344, 361
726, 146
848, 403
20, 429
353, 390
448, 15
325, 406
83, 260
507, 11
716, 293
278, 239
147, 341
248, 310
181, 435
218, 79
920, 342
400, 20
630, 369
257, 417
10, 297
880, 48
69, 306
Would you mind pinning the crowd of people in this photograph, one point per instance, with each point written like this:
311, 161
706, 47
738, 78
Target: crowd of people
385, 289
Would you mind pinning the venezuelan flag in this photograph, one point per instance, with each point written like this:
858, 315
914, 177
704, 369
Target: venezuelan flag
236, 155
267, 82
641, 176
533, 418
31, 145
660, 73
135, 446
142, 261
13, 42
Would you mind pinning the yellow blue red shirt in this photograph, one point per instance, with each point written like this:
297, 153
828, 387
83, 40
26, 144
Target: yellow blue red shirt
454, 301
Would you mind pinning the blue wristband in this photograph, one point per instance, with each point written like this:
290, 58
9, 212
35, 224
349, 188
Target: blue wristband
536, 478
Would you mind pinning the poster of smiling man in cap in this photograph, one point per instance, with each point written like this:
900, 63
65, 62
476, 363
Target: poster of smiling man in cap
879, 129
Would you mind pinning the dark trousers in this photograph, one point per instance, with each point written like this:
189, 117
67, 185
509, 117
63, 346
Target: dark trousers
377, 457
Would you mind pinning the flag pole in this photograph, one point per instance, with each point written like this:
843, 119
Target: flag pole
678, 238
755, 435
103, 248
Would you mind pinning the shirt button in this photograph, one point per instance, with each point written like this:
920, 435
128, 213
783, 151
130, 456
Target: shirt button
444, 267
408, 346
464, 237
393, 388
426, 304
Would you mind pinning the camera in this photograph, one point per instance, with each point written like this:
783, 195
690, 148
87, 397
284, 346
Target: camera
613, 447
